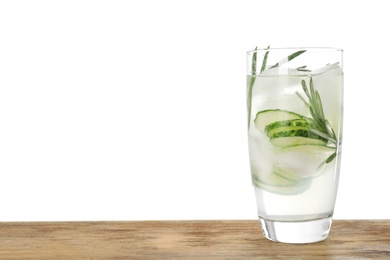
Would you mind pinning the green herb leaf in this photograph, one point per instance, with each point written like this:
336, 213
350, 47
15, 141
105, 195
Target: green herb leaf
249, 98
264, 61
254, 62
321, 134
294, 55
303, 68
289, 57
303, 82
320, 110
311, 89
331, 157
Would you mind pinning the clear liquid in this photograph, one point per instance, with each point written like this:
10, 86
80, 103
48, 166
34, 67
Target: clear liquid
313, 195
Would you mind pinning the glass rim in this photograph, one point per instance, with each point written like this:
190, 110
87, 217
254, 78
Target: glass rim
324, 49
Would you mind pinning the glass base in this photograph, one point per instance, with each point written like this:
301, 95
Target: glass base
296, 232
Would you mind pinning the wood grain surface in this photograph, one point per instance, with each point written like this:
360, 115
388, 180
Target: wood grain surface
348, 239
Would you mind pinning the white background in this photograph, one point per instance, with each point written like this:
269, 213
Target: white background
135, 110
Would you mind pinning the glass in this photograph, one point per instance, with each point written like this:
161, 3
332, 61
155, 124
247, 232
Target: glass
295, 116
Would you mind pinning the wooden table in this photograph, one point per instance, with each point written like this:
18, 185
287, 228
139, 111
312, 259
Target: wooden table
348, 239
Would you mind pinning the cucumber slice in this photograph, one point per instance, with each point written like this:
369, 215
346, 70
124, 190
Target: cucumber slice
300, 162
275, 179
296, 136
266, 117
279, 185
286, 125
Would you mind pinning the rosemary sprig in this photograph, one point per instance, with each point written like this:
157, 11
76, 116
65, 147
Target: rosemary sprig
262, 69
320, 125
253, 78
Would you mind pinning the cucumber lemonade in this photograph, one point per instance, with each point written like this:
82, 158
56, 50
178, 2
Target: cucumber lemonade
294, 132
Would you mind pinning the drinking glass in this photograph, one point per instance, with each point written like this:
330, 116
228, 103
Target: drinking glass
295, 118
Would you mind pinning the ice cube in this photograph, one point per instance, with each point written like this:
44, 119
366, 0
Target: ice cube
325, 68
301, 161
